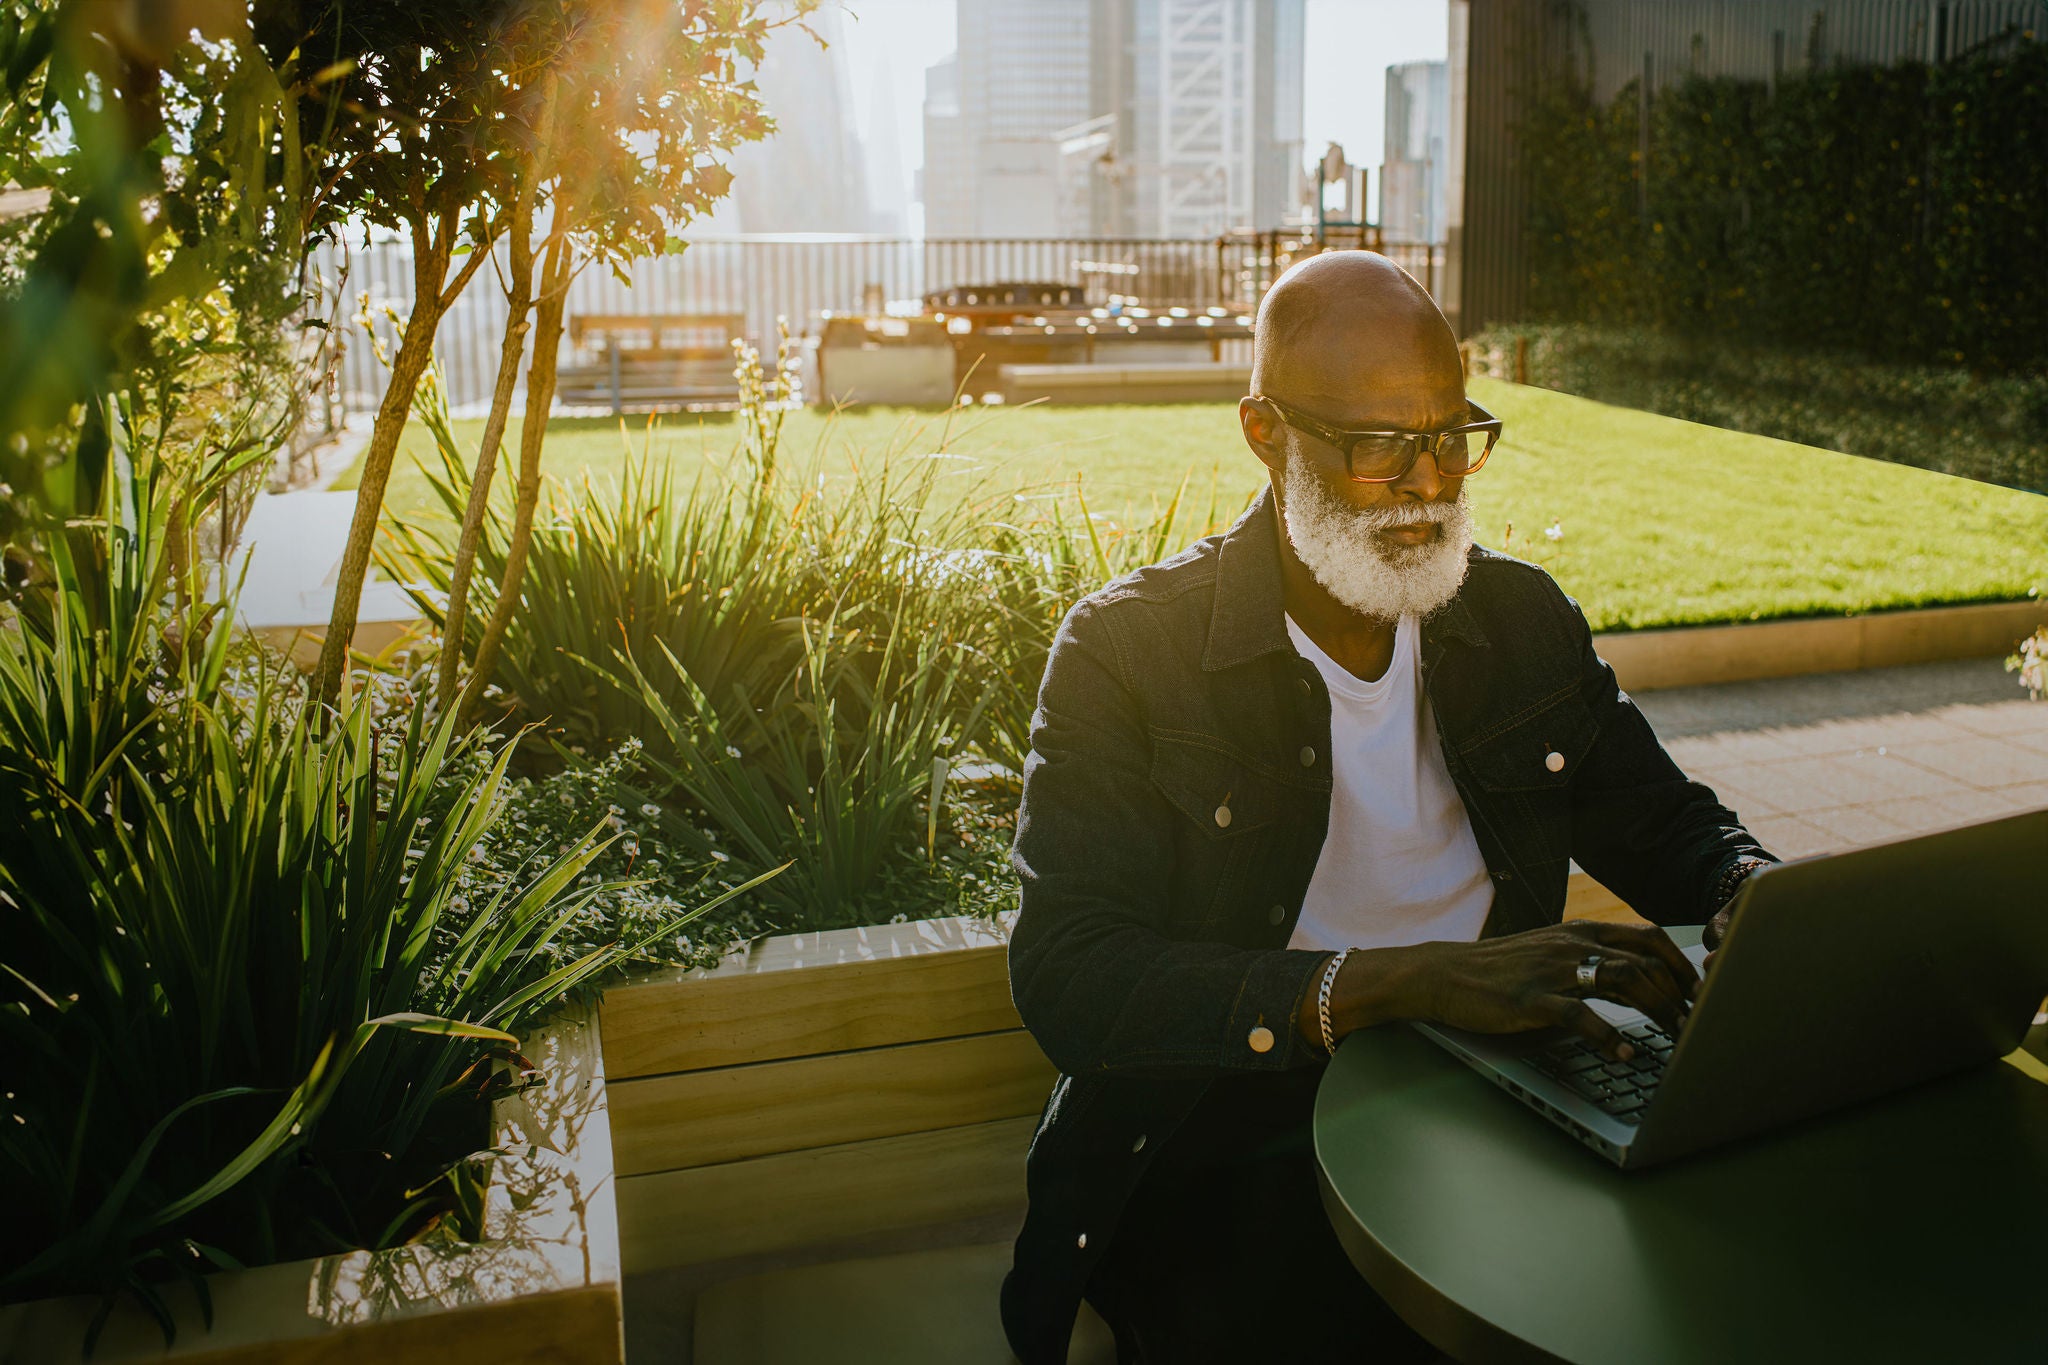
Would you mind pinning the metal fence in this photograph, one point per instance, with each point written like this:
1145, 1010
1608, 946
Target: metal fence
798, 276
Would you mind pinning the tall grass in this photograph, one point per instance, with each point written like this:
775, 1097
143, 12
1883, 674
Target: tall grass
234, 1033
809, 662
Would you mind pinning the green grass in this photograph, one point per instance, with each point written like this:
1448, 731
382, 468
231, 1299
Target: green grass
1663, 522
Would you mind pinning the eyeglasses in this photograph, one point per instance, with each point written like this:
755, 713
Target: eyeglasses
1386, 456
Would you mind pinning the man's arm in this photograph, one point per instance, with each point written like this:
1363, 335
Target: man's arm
1097, 980
1663, 843
1103, 988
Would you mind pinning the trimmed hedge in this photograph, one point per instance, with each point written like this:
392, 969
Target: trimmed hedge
1899, 212
1940, 417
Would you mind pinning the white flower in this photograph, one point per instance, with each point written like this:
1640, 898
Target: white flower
631, 846
718, 856
650, 810
1555, 530
732, 751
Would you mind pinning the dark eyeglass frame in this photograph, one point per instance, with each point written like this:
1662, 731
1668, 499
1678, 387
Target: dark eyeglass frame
1418, 441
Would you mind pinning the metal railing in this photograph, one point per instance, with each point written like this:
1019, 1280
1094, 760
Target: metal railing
797, 276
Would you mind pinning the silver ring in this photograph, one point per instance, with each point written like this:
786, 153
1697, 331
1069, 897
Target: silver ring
1588, 972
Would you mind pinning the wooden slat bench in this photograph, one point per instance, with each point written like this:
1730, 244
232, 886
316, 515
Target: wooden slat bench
651, 360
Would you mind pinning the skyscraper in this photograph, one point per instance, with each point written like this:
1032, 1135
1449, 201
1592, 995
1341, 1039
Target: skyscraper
810, 174
1414, 177
1019, 77
1153, 118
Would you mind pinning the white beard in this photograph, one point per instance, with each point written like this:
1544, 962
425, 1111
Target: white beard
1337, 543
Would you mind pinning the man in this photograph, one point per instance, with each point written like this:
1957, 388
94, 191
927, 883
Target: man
1337, 726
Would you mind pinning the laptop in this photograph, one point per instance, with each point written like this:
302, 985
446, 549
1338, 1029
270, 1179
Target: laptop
1842, 978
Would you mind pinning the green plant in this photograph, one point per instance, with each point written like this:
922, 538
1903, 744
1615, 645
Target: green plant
1941, 417
244, 1019
1874, 210
2030, 661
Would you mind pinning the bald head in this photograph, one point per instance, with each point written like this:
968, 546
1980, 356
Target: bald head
1351, 337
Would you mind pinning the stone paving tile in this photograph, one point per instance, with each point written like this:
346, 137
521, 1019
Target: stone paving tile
1855, 826
1837, 761
1980, 763
2021, 717
1788, 836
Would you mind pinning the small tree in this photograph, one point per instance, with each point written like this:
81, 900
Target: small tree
647, 97
436, 109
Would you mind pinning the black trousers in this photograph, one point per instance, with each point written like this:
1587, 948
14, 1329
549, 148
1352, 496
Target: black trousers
1224, 1253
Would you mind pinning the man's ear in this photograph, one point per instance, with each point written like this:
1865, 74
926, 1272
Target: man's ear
1262, 433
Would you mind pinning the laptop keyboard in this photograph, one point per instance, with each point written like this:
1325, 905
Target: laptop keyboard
1623, 1089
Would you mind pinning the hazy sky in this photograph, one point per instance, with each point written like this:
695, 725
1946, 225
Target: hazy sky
1351, 43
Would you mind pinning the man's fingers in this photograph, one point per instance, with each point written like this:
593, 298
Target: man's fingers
1581, 1019
1642, 983
1652, 941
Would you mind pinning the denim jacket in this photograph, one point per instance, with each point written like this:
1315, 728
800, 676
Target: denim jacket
1175, 802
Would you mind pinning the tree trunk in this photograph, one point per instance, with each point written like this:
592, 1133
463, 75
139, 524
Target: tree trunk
519, 302
431, 253
519, 312
540, 396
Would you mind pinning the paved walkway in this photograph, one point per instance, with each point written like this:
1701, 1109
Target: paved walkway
1839, 760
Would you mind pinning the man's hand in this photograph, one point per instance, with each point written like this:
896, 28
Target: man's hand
1716, 930
1521, 982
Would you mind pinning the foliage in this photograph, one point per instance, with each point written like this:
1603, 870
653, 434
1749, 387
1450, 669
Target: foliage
639, 887
1874, 210
245, 1018
822, 674
1993, 428
2031, 663
164, 266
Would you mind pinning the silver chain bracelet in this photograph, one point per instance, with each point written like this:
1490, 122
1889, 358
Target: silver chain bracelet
1323, 1000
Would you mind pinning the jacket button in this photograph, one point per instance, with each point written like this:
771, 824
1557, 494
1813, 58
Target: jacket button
1139, 1145
1308, 757
1260, 1039
1276, 914
1223, 817
1081, 1242
1554, 761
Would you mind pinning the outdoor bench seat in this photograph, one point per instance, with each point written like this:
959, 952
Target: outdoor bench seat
937, 1306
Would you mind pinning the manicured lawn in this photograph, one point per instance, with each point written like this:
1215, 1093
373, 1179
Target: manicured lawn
1662, 522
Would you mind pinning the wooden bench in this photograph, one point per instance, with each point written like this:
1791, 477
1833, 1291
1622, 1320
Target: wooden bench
648, 361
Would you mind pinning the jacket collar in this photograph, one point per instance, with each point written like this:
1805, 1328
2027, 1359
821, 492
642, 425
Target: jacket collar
1247, 619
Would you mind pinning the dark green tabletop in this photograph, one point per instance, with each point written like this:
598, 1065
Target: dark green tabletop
1911, 1229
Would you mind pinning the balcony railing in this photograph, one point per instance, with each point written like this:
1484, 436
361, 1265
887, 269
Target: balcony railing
797, 276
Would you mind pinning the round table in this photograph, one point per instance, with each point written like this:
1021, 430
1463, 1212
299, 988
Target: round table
1914, 1228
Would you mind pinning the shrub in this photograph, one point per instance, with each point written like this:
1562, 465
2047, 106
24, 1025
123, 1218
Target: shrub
245, 1018
817, 670
1877, 210
1992, 428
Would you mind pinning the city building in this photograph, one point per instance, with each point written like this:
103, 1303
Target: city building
1146, 118
1019, 77
810, 174
1413, 174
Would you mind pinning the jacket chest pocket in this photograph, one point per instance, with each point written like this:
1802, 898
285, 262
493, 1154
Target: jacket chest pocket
1526, 771
1233, 820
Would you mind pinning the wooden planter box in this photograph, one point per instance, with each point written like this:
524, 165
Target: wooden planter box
543, 1288
819, 1087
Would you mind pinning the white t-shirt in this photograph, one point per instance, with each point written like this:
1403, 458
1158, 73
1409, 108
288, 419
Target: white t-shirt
1399, 865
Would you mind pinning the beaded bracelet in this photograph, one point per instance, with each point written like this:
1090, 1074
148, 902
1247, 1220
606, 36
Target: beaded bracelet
1323, 1000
